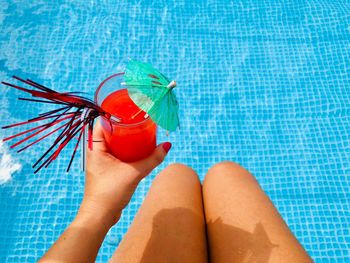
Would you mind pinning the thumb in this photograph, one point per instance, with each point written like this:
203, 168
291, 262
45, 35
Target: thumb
148, 164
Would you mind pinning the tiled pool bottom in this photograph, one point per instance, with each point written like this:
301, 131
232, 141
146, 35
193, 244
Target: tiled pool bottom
264, 84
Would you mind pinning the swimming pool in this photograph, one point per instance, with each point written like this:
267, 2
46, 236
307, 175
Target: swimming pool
261, 83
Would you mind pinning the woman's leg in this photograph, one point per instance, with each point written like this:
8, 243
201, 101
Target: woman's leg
242, 223
170, 225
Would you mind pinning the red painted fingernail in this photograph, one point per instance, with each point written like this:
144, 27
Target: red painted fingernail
166, 146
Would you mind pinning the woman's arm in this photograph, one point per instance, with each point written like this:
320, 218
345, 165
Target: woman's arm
109, 186
80, 242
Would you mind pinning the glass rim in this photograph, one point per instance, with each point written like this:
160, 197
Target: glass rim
113, 121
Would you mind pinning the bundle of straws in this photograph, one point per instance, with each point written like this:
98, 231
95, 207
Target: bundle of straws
74, 118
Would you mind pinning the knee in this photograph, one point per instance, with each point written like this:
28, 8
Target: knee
228, 170
179, 173
227, 166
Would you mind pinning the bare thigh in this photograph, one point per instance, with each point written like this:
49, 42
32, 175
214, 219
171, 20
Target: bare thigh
242, 223
170, 225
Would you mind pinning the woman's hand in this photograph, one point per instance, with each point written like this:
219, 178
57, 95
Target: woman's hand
111, 183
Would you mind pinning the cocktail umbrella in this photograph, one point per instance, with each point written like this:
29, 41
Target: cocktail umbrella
153, 93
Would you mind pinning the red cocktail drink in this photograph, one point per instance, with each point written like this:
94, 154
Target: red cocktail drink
134, 136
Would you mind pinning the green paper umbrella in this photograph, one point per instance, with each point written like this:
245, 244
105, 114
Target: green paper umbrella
152, 92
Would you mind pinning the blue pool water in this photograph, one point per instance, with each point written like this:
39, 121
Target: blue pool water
262, 83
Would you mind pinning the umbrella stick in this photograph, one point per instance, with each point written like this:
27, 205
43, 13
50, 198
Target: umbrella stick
137, 113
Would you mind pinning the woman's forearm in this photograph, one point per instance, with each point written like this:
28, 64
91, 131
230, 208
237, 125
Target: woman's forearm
80, 242
109, 186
